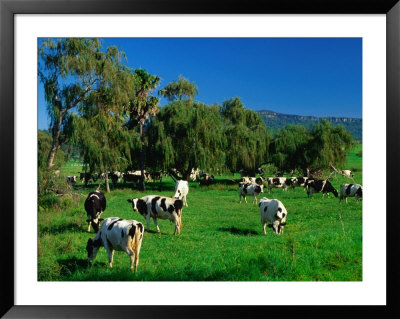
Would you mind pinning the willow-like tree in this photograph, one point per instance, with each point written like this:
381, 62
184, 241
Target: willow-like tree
67, 69
186, 135
143, 105
100, 130
328, 145
290, 148
181, 89
247, 137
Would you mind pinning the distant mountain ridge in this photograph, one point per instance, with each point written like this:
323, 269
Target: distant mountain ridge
275, 120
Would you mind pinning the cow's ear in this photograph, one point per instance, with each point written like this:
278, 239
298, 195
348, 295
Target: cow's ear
129, 200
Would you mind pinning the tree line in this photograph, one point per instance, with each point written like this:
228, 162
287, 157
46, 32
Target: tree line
111, 112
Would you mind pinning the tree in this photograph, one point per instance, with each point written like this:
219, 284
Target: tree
180, 89
141, 107
69, 70
247, 137
328, 145
289, 148
186, 135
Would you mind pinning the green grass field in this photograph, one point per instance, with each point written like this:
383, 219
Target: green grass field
221, 240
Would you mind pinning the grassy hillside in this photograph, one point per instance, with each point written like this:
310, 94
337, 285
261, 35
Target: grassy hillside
220, 240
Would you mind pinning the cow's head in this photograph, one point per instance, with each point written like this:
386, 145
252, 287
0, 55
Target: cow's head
92, 247
134, 203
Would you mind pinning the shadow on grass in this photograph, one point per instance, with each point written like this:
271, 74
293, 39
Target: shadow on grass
58, 229
237, 231
71, 265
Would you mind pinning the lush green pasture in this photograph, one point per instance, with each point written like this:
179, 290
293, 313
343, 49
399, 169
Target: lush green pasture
221, 240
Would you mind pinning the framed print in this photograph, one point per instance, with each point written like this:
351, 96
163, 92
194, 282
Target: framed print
325, 257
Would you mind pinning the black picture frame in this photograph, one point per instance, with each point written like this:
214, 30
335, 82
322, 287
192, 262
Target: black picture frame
10, 8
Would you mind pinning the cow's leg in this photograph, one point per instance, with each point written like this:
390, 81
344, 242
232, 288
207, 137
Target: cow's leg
131, 254
184, 200
175, 220
148, 222
245, 199
88, 228
110, 253
346, 200
264, 224
155, 223
137, 252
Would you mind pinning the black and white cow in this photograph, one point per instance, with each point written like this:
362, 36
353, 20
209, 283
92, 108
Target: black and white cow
320, 186
347, 173
95, 205
161, 207
281, 182
181, 190
118, 234
273, 211
251, 189
350, 190
71, 180
301, 181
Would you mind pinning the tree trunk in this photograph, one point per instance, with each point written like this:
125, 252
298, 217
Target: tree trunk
141, 162
54, 144
107, 183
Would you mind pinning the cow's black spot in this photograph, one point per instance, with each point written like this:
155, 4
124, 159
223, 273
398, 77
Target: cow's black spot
171, 208
89, 247
259, 204
359, 192
245, 188
153, 204
258, 189
112, 224
142, 207
276, 216
140, 227
283, 215
276, 181
132, 231
122, 233
348, 189
265, 209
178, 204
163, 206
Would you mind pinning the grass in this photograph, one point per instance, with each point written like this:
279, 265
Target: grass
221, 240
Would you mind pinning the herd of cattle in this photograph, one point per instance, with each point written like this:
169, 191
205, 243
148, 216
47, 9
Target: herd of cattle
127, 235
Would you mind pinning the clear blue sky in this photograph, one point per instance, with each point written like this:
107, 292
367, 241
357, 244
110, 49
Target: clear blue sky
304, 76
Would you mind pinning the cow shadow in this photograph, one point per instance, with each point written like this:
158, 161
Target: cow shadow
72, 265
237, 231
58, 229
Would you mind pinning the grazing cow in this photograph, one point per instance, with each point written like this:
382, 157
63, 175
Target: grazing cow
301, 181
318, 186
281, 182
95, 205
193, 174
350, 190
115, 177
71, 180
118, 234
156, 176
347, 173
250, 189
273, 211
85, 177
155, 206
132, 177
181, 190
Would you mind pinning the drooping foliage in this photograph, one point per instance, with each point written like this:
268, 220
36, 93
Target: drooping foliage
290, 148
70, 69
247, 137
186, 135
328, 145
180, 89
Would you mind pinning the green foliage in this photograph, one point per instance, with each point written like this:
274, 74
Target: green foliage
247, 137
180, 89
328, 145
44, 145
186, 135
